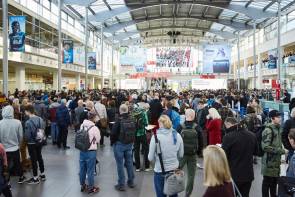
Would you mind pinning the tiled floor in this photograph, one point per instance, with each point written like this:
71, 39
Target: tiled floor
62, 177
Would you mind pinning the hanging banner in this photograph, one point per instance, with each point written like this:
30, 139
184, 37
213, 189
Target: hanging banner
216, 58
68, 51
91, 60
133, 56
173, 57
272, 59
17, 33
79, 55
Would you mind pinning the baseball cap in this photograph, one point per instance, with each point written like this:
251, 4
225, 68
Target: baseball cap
274, 113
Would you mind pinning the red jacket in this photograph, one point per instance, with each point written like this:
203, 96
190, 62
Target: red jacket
214, 131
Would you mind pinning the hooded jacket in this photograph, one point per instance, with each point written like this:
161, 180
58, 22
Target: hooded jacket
31, 126
11, 131
171, 152
94, 134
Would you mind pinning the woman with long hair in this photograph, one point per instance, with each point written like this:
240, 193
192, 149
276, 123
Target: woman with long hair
213, 126
217, 177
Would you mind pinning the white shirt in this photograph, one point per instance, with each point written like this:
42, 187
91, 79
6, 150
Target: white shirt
101, 110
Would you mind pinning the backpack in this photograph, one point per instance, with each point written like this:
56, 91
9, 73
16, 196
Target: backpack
190, 139
260, 152
82, 139
138, 116
127, 131
40, 137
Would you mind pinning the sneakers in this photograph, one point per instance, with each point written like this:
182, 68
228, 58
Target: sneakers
120, 188
137, 170
21, 180
131, 185
148, 169
84, 188
33, 181
42, 177
93, 190
199, 166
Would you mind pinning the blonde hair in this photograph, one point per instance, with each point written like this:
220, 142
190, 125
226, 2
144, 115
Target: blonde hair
216, 169
165, 120
214, 113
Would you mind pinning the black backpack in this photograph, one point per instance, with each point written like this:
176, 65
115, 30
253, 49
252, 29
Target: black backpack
190, 140
260, 152
127, 131
82, 139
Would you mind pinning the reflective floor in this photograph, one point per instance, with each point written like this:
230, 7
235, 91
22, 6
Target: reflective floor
62, 168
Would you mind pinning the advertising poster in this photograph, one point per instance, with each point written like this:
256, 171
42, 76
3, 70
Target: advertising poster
272, 59
79, 55
68, 51
216, 58
91, 60
133, 56
173, 57
17, 33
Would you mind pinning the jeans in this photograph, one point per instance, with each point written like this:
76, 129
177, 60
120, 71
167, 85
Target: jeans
54, 132
87, 166
141, 140
14, 165
190, 161
123, 156
269, 186
6, 191
244, 188
62, 136
35, 152
159, 185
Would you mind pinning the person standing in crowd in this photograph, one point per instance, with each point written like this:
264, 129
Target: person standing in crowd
102, 115
173, 115
240, 145
88, 158
217, 104
224, 112
63, 122
35, 149
26, 163
213, 126
52, 117
172, 150
287, 97
288, 125
78, 114
271, 160
291, 167
5, 187
156, 109
123, 148
190, 141
40, 108
72, 106
140, 116
112, 113
11, 136
201, 126
217, 176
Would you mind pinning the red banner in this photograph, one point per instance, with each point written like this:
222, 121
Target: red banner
150, 75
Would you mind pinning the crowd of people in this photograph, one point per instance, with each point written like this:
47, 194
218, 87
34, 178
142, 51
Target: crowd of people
160, 131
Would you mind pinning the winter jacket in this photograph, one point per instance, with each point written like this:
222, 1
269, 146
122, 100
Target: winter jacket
271, 160
252, 122
171, 152
289, 124
52, 111
214, 131
62, 116
201, 118
31, 127
156, 110
115, 133
78, 113
240, 145
40, 109
11, 131
291, 167
111, 112
94, 133
174, 117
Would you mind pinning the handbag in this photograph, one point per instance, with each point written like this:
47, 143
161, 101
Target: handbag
103, 122
237, 193
174, 182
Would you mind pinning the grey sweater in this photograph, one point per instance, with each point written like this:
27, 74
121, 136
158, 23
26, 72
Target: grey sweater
171, 153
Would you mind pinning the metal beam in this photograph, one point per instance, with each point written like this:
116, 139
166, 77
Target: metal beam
226, 35
79, 2
251, 12
235, 25
248, 3
268, 5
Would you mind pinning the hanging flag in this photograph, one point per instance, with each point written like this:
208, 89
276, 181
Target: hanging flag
17, 33
91, 60
68, 51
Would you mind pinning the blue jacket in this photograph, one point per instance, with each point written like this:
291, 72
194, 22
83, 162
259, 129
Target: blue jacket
174, 117
62, 116
291, 168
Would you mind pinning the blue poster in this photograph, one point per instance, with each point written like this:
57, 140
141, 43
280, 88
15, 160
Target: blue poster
91, 60
17, 33
68, 51
272, 59
216, 58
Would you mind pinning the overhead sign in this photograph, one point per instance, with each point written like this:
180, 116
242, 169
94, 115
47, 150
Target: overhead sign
205, 84
68, 51
17, 33
216, 58
91, 60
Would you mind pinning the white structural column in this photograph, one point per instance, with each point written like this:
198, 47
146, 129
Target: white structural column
59, 45
254, 54
55, 79
20, 77
279, 43
101, 55
86, 47
112, 65
245, 69
93, 83
78, 80
5, 46
259, 69
239, 60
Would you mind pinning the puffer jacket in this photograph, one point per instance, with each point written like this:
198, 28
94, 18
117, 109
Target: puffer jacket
271, 160
62, 116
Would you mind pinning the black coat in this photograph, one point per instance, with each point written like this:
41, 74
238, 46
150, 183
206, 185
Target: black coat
289, 124
156, 110
240, 145
114, 137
